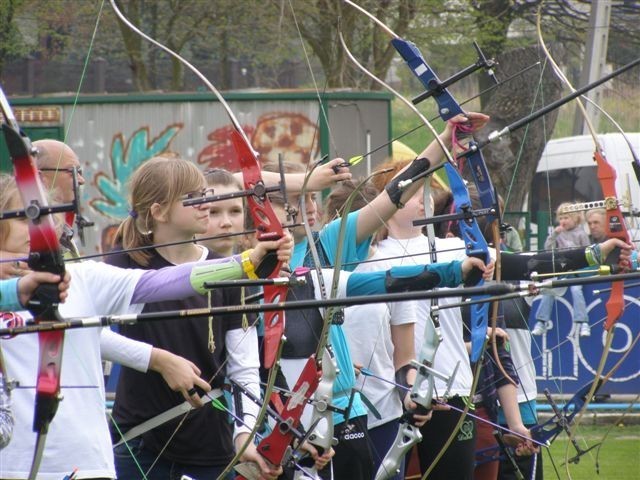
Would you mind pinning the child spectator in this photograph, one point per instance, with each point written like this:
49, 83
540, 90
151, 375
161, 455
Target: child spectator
569, 233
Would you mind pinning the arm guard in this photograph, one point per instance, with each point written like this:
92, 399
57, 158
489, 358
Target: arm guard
405, 279
521, 266
393, 189
216, 272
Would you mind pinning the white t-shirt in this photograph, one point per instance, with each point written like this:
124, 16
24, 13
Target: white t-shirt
520, 340
368, 330
452, 349
78, 434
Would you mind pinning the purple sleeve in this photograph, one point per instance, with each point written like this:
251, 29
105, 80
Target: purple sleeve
171, 283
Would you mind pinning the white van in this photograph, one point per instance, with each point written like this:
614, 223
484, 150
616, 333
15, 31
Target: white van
567, 173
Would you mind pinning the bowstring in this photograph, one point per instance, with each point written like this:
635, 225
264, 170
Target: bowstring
343, 387
558, 383
539, 93
241, 132
83, 75
69, 343
323, 114
610, 334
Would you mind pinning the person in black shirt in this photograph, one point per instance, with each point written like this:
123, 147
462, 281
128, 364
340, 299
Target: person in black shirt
200, 443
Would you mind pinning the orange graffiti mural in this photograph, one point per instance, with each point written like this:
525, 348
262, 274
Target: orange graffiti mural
291, 134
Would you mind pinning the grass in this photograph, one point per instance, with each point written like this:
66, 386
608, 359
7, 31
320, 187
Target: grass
619, 457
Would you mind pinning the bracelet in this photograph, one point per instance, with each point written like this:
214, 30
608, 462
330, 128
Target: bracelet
247, 265
593, 255
588, 254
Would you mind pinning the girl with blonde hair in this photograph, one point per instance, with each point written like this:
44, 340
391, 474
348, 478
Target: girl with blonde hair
201, 443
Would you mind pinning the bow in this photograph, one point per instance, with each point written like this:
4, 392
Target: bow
448, 108
45, 255
266, 223
544, 433
475, 243
423, 389
321, 429
615, 228
562, 419
335, 316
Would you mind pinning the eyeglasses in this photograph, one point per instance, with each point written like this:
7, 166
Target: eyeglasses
205, 192
70, 170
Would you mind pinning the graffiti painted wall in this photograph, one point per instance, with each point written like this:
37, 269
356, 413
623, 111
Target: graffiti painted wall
113, 136
113, 140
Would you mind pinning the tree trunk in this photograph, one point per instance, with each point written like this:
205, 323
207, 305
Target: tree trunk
320, 29
6, 29
133, 45
512, 161
496, 17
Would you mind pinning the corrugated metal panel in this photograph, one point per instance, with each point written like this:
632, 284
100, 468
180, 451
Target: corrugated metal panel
357, 127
